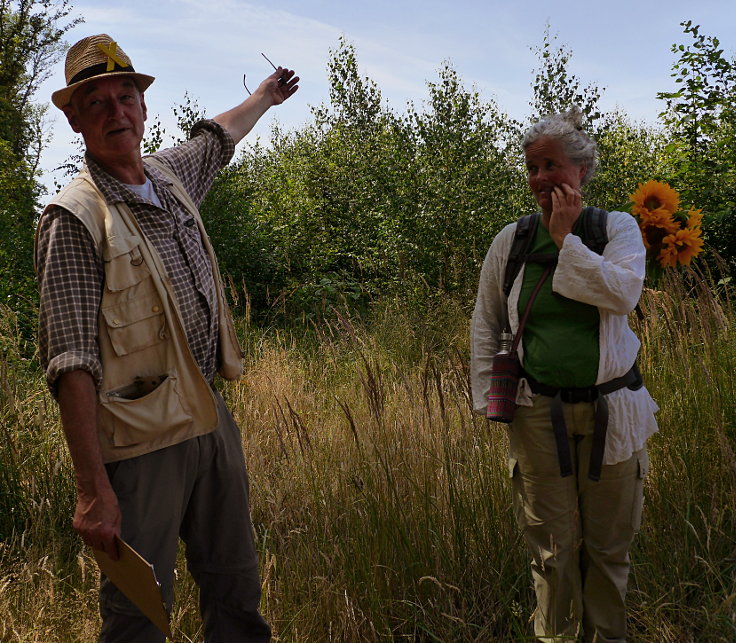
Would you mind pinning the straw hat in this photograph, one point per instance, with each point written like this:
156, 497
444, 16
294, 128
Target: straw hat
95, 57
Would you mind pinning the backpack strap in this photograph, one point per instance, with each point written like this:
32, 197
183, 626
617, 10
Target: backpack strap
526, 227
594, 236
594, 232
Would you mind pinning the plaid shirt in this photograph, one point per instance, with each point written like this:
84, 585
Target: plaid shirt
71, 273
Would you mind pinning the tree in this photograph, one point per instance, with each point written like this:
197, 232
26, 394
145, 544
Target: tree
700, 116
628, 153
470, 184
364, 202
31, 35
555, 89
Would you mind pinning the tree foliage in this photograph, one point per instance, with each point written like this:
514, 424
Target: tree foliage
466, 161
364, 201
31, 33
556, 89
629, 154
700, 117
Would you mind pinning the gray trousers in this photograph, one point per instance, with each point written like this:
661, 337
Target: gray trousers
196, 490
578, 531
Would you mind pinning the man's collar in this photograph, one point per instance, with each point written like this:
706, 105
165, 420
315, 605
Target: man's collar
156, 175
114, 190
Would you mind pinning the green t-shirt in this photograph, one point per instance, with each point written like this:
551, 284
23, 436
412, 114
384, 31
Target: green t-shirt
561, 335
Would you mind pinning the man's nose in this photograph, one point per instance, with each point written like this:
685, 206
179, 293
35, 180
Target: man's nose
114, 108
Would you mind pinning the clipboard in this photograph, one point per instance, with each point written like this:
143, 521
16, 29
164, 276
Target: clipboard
134, 576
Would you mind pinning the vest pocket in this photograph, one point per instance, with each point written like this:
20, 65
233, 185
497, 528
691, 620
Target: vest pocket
124, 265
149, 416
131, 306
136, 322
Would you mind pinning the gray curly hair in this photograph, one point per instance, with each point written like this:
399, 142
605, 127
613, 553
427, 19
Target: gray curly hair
567, 128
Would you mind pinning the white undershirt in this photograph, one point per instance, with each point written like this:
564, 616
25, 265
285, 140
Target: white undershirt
146, 192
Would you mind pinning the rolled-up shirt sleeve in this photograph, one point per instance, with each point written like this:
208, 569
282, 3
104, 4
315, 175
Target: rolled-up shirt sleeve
197, 161
70, 276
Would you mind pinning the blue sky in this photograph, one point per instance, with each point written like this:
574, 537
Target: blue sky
204, 47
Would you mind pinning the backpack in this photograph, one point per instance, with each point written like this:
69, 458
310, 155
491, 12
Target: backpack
594, 236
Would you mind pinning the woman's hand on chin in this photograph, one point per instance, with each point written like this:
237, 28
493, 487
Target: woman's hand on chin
566, 206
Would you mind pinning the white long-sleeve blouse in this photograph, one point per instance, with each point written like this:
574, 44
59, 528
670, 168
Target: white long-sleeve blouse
612, 282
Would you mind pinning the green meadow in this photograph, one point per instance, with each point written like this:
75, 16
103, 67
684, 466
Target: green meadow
381, 504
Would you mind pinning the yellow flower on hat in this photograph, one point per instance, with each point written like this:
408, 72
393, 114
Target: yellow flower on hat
112, 55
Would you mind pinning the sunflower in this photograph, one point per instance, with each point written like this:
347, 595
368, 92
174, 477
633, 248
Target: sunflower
694, 217
652, 236
684, 244
655, 226
653, 196
689, 244
667, 256
671, 236
659, 219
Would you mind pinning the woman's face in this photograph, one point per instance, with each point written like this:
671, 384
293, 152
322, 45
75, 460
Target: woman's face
548, 167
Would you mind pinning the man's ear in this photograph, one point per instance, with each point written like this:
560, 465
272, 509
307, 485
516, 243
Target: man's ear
71, 117
143, 107
583, 171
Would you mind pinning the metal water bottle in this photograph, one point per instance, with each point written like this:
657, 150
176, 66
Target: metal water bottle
504, 381
504, 342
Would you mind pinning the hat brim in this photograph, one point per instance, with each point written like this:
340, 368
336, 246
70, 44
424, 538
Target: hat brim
63, 97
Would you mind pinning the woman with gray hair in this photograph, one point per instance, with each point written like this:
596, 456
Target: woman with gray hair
562, 284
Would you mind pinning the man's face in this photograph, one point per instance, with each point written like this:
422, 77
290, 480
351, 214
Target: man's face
109, 114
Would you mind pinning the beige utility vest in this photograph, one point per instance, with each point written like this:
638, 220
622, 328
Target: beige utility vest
153, 394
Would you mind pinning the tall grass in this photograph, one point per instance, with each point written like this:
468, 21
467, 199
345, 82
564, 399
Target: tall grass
382, 505
684, 585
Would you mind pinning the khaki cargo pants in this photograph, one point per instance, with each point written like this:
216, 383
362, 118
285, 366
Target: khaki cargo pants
578, 531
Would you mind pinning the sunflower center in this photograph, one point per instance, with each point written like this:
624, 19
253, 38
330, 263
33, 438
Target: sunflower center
652, 203
655, 235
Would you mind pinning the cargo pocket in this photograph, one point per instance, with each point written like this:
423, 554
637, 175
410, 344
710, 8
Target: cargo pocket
131, 306
517, 493
136, 321
144, 418
638, 504
126, 266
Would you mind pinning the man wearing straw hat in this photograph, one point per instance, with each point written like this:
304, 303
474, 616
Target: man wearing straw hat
133, 327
